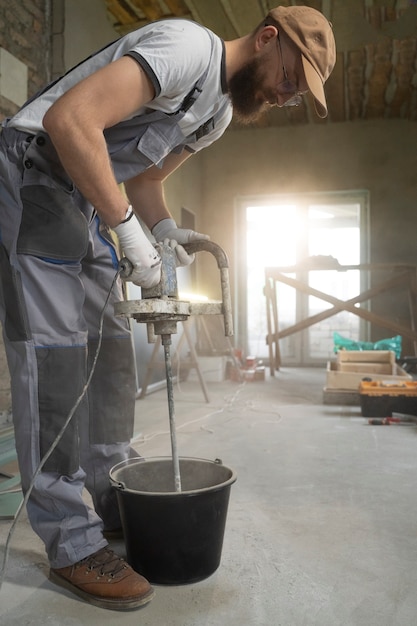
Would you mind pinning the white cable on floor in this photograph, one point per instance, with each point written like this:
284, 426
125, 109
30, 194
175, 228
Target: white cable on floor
142, 439
58, 437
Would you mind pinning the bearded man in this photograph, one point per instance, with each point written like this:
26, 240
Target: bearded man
131, 113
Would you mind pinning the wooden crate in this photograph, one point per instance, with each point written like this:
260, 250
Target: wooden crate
352, 366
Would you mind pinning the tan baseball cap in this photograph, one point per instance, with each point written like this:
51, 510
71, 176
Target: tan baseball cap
312, 33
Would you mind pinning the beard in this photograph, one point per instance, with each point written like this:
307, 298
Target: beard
245, 91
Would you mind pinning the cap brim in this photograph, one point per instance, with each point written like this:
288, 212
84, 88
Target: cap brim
315, 85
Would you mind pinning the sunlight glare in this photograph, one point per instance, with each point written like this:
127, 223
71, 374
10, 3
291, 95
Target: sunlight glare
269, 243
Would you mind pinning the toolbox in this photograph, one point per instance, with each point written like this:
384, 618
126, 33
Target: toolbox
379, 398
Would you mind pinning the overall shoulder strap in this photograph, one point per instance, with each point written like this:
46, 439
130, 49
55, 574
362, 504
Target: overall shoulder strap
195, 92
208, 126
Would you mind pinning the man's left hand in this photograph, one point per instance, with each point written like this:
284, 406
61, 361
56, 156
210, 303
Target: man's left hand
167, 229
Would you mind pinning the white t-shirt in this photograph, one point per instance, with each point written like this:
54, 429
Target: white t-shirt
174, 53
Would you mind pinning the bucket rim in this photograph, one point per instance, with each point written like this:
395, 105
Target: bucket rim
117, 484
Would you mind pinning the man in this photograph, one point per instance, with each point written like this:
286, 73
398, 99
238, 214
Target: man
131, 113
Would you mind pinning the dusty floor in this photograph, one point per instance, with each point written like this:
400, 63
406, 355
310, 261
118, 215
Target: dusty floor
321, 526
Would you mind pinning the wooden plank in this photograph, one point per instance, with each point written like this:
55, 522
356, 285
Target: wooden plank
323, 315
150, 8
346, 306
121, 11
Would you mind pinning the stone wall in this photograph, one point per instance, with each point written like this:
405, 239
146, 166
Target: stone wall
25, 33
26, 36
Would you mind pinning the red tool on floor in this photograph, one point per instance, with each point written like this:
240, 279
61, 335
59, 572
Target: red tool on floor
385, 421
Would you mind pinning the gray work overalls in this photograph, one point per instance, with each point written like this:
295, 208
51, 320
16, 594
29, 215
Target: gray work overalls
57, 264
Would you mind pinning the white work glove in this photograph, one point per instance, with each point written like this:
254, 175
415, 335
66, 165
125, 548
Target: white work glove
167, 229
140, 252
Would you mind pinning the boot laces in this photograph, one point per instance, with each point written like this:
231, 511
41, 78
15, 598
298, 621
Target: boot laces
105, 561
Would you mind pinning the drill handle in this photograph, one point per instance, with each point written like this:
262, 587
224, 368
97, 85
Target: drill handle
223, 265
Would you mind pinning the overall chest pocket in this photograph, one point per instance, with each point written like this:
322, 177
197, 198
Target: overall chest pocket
133, 147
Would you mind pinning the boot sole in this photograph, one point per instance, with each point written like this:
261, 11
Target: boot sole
104, 603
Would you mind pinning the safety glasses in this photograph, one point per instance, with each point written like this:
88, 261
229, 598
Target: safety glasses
288, 87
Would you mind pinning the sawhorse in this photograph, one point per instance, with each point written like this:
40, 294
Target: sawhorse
192, 361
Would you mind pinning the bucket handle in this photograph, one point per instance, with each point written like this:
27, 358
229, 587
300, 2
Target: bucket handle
117, 483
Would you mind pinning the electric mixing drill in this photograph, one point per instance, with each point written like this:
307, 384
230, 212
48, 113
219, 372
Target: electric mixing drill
161, 309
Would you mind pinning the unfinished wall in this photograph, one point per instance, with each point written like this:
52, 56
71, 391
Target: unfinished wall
25, 35
87, 29
376, 156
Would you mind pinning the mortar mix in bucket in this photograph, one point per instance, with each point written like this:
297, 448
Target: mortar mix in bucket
173, 510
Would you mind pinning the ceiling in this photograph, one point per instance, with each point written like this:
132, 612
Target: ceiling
375, 76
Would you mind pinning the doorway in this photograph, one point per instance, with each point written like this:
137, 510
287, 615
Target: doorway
284, 232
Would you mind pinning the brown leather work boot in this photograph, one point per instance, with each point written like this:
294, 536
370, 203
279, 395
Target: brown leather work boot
105, 580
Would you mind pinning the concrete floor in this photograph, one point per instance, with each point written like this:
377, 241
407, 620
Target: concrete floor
321, 527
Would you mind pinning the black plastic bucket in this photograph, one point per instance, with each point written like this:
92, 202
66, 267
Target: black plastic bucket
173, 538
